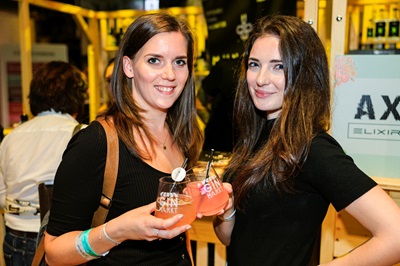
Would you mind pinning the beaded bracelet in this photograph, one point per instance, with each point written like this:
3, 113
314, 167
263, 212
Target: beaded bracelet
229, 218
103, 229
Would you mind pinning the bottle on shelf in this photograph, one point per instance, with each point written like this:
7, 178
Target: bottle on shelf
393, 32
370, 30
380, 30
370, 33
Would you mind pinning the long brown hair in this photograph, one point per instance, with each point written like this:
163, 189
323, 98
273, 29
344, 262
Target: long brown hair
127, 115
305, 110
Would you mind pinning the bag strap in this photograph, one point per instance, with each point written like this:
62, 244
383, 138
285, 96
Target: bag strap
77, 128
110, 172
39, 253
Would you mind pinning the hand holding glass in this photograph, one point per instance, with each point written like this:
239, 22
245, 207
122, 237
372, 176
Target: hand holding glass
209, 195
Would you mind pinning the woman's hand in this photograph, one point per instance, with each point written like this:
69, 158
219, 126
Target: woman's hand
140, 224
230, 204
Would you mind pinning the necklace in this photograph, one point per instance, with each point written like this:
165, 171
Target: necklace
163, 143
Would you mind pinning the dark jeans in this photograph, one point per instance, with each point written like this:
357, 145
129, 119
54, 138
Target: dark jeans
18, 251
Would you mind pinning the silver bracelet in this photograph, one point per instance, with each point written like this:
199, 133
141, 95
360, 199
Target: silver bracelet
229, 218
103, 229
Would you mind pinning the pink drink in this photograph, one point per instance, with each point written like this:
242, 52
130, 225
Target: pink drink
173, 204
210, 196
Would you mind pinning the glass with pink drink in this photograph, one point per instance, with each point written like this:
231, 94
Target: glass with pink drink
209, 195
175, 197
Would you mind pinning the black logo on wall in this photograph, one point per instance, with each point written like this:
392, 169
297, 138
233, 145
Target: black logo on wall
375, 131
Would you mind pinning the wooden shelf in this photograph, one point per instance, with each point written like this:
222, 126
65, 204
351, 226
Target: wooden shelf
389, 184
382, 41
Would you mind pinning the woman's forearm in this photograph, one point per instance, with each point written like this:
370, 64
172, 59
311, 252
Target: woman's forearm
223, 226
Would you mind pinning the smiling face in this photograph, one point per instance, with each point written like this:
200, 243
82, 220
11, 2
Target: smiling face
265, 75
159, 71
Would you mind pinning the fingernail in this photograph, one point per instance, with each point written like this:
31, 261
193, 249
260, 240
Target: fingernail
189, 227
180, 216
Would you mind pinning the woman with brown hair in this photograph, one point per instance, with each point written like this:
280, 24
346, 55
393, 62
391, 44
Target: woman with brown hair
153, 111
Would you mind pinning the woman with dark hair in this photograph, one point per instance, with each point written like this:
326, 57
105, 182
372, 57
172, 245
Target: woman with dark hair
286, 169
153, 111
31, 153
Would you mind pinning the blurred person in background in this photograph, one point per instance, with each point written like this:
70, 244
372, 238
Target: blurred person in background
107, 78
31, 153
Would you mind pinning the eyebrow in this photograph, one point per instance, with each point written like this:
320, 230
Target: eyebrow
158, 55
271, 61
182, 57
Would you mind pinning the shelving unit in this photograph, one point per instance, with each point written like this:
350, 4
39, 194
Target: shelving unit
365, 16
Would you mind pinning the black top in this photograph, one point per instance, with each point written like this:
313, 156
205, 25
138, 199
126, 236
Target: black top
77, 189
282, 229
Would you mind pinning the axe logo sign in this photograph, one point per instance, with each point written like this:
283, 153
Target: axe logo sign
365, 107
376, 131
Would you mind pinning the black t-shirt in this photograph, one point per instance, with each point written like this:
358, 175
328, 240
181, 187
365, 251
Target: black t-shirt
76, 196
281, 229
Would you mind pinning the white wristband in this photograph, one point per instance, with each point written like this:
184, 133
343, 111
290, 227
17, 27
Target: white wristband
229, 218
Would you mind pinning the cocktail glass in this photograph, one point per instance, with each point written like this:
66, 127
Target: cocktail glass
175, 198
209, 195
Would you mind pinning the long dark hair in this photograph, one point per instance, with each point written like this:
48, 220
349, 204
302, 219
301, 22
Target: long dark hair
181, 117
305, 110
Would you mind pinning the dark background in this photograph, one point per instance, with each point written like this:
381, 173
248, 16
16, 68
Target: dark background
57, 27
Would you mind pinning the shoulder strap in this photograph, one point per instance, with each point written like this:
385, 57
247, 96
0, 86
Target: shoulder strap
110, 172
77, 128
110, 178
38, 258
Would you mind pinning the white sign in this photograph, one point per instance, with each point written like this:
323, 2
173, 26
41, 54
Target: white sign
366, 111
